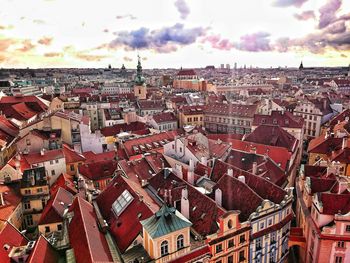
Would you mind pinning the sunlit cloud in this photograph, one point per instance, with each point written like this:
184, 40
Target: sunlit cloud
45, 41
182, 8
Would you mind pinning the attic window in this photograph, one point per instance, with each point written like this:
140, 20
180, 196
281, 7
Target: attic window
122, 202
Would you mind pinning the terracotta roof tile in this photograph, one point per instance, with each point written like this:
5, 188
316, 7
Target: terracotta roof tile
43, 252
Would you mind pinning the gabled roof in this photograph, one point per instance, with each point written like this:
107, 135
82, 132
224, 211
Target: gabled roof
12, 199
71, 155
98, 170
126, 226
88, 243
164, 222
63, 181
334, 203
48, 155
54, 209
324, 145
43, 252
204, 212
164, 117
274, 136
9, 235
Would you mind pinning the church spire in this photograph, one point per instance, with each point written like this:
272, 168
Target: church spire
301, 65
139, 80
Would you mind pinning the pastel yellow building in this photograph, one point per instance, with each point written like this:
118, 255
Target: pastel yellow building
166, 235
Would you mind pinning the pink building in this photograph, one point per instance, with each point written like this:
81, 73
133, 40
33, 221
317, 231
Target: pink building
323, 214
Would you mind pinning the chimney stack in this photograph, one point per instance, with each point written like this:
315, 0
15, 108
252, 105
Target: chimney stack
185, 204
42, 151
255, 168
218, 197
344, 143
230, 172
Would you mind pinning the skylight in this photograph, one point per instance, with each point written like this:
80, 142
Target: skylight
122, 202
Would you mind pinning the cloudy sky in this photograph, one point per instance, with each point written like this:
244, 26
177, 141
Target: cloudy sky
174, 33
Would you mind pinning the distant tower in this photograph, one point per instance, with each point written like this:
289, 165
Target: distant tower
301, 67
140, 89
349, 71
235, 65
109, 66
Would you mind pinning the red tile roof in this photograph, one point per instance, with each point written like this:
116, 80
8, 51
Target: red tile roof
279, 155
88, 242
12, 199
11, 236
238, 110
118, 128
43, 252
33, 158
98, 170
186, 72
285, 119
63, 181
204, 212
151, 140
274, 136
125, 227
334, 203
92, 157
193, 255
324, 145
164, 117
72, 156
235, 195
54, 209
22, 111
192, 110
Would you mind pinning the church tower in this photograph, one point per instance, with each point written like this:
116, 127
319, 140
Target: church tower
140, 89
301, 67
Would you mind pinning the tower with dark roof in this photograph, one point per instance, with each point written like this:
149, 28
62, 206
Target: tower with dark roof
140, 89
301, 67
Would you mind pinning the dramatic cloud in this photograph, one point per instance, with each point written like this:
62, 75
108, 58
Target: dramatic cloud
256, 42
26, 46
126, 16
306, 15
46, 41
328, 13
336, 28
285, 3
218, 43
164, 40
182, 8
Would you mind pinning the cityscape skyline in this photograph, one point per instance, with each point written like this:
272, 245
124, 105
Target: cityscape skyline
263, 34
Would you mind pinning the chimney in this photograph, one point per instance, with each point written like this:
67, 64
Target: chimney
185, 204
241, 178
230, 172
191, 168
166, 172
218, 197
166, 196
204, 160
255, 168
345, 143
324, 104
190, 177
178, 170
42, 151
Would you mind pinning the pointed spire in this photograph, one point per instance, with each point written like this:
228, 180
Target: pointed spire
301, 65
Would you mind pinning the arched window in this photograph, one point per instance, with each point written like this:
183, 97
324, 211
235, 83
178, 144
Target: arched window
164, 248
180, 242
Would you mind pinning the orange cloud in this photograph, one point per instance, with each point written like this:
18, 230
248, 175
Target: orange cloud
27, 46
89, 57
6, 43
53, 54
45, 41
